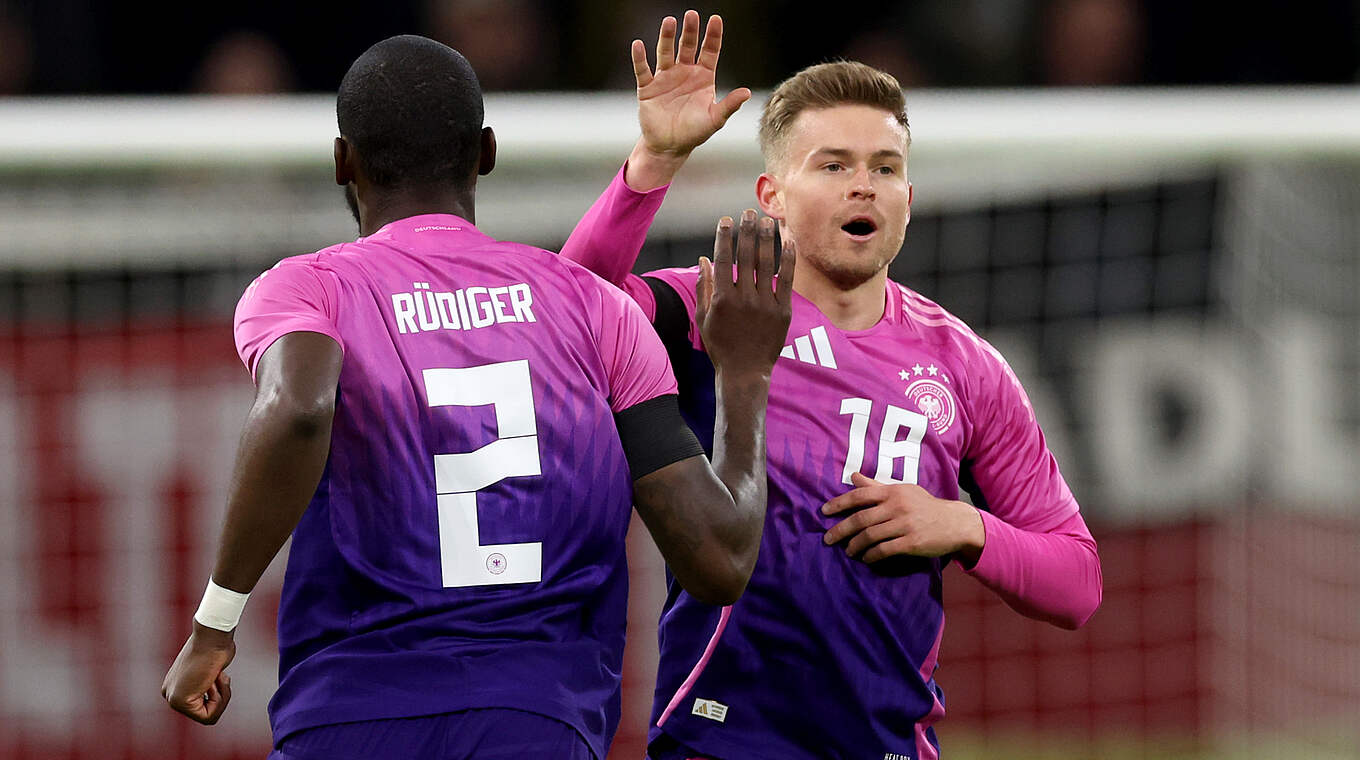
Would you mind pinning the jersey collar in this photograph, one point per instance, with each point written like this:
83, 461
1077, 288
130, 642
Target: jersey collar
415, 226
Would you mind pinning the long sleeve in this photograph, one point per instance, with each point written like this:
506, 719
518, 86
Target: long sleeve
1038, 554
609, 237
1052, 576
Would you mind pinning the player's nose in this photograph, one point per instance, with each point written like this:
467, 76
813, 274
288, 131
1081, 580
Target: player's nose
861, 186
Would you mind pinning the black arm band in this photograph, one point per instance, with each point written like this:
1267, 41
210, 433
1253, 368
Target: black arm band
671, 320
655, 435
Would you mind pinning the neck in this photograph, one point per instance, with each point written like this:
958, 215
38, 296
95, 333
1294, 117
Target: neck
381, 209
856, 308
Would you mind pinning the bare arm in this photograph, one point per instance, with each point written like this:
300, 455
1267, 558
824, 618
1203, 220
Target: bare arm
707, 520
708, 526
279, 462
281, 457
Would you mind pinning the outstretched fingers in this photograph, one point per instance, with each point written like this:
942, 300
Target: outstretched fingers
689, 38
665, 44
723, 253
733, 101
708, 58
746, 247
708, 55
765, 257
641, 71
703, 289
788, 260
742, 327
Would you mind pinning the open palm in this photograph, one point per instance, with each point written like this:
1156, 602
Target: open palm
676, 103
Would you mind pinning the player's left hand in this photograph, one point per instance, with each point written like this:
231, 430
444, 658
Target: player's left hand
676, 102
743, 318
894, 519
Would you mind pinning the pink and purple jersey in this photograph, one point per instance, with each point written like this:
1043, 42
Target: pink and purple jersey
465, 548
825, 656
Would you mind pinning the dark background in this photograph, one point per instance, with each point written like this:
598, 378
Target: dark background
255, 46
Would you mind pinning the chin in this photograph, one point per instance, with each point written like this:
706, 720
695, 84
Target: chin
847, 275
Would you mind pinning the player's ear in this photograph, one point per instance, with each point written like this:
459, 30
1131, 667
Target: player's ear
769, 196
344, 162
911, 192
487, 162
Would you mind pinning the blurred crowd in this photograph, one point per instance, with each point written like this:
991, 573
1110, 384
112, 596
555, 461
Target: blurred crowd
266, 46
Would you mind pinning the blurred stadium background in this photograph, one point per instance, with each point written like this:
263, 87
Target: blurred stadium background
1171, 268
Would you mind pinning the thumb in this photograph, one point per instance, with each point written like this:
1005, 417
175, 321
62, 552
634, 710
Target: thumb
729, 105
703, 288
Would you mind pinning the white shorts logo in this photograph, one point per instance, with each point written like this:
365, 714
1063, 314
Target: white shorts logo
934, 401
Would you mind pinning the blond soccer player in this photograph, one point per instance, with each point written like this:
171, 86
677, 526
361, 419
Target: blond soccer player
883, 408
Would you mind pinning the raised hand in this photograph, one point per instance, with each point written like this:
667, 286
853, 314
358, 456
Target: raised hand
676, 102
745, 320
894, 519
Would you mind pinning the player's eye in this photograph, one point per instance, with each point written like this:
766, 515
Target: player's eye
833, 168
887, 170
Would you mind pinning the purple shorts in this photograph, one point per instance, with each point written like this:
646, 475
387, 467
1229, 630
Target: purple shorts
664, 747
490, 734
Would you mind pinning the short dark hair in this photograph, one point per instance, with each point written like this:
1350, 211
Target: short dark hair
412, 107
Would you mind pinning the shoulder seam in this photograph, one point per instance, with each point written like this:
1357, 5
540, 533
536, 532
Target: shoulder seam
934, 315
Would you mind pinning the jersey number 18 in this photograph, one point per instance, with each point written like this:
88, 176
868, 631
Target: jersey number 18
890, 448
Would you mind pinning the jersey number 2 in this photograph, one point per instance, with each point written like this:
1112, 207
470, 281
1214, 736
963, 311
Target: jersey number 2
464, 560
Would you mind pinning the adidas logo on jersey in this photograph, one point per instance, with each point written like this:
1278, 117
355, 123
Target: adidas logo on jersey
707, 708
813, 348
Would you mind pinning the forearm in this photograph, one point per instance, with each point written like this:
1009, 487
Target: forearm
278, 464
609, 237
739, 458
1052, 576
282, 455
707, 517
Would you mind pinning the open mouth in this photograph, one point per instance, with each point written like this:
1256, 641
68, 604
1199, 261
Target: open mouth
860, 227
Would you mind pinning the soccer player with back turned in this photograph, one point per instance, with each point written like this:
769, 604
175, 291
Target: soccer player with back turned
453, 429
883, 406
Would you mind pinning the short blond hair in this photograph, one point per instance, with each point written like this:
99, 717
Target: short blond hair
823, 86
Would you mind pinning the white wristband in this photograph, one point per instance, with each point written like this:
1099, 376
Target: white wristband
221, 607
